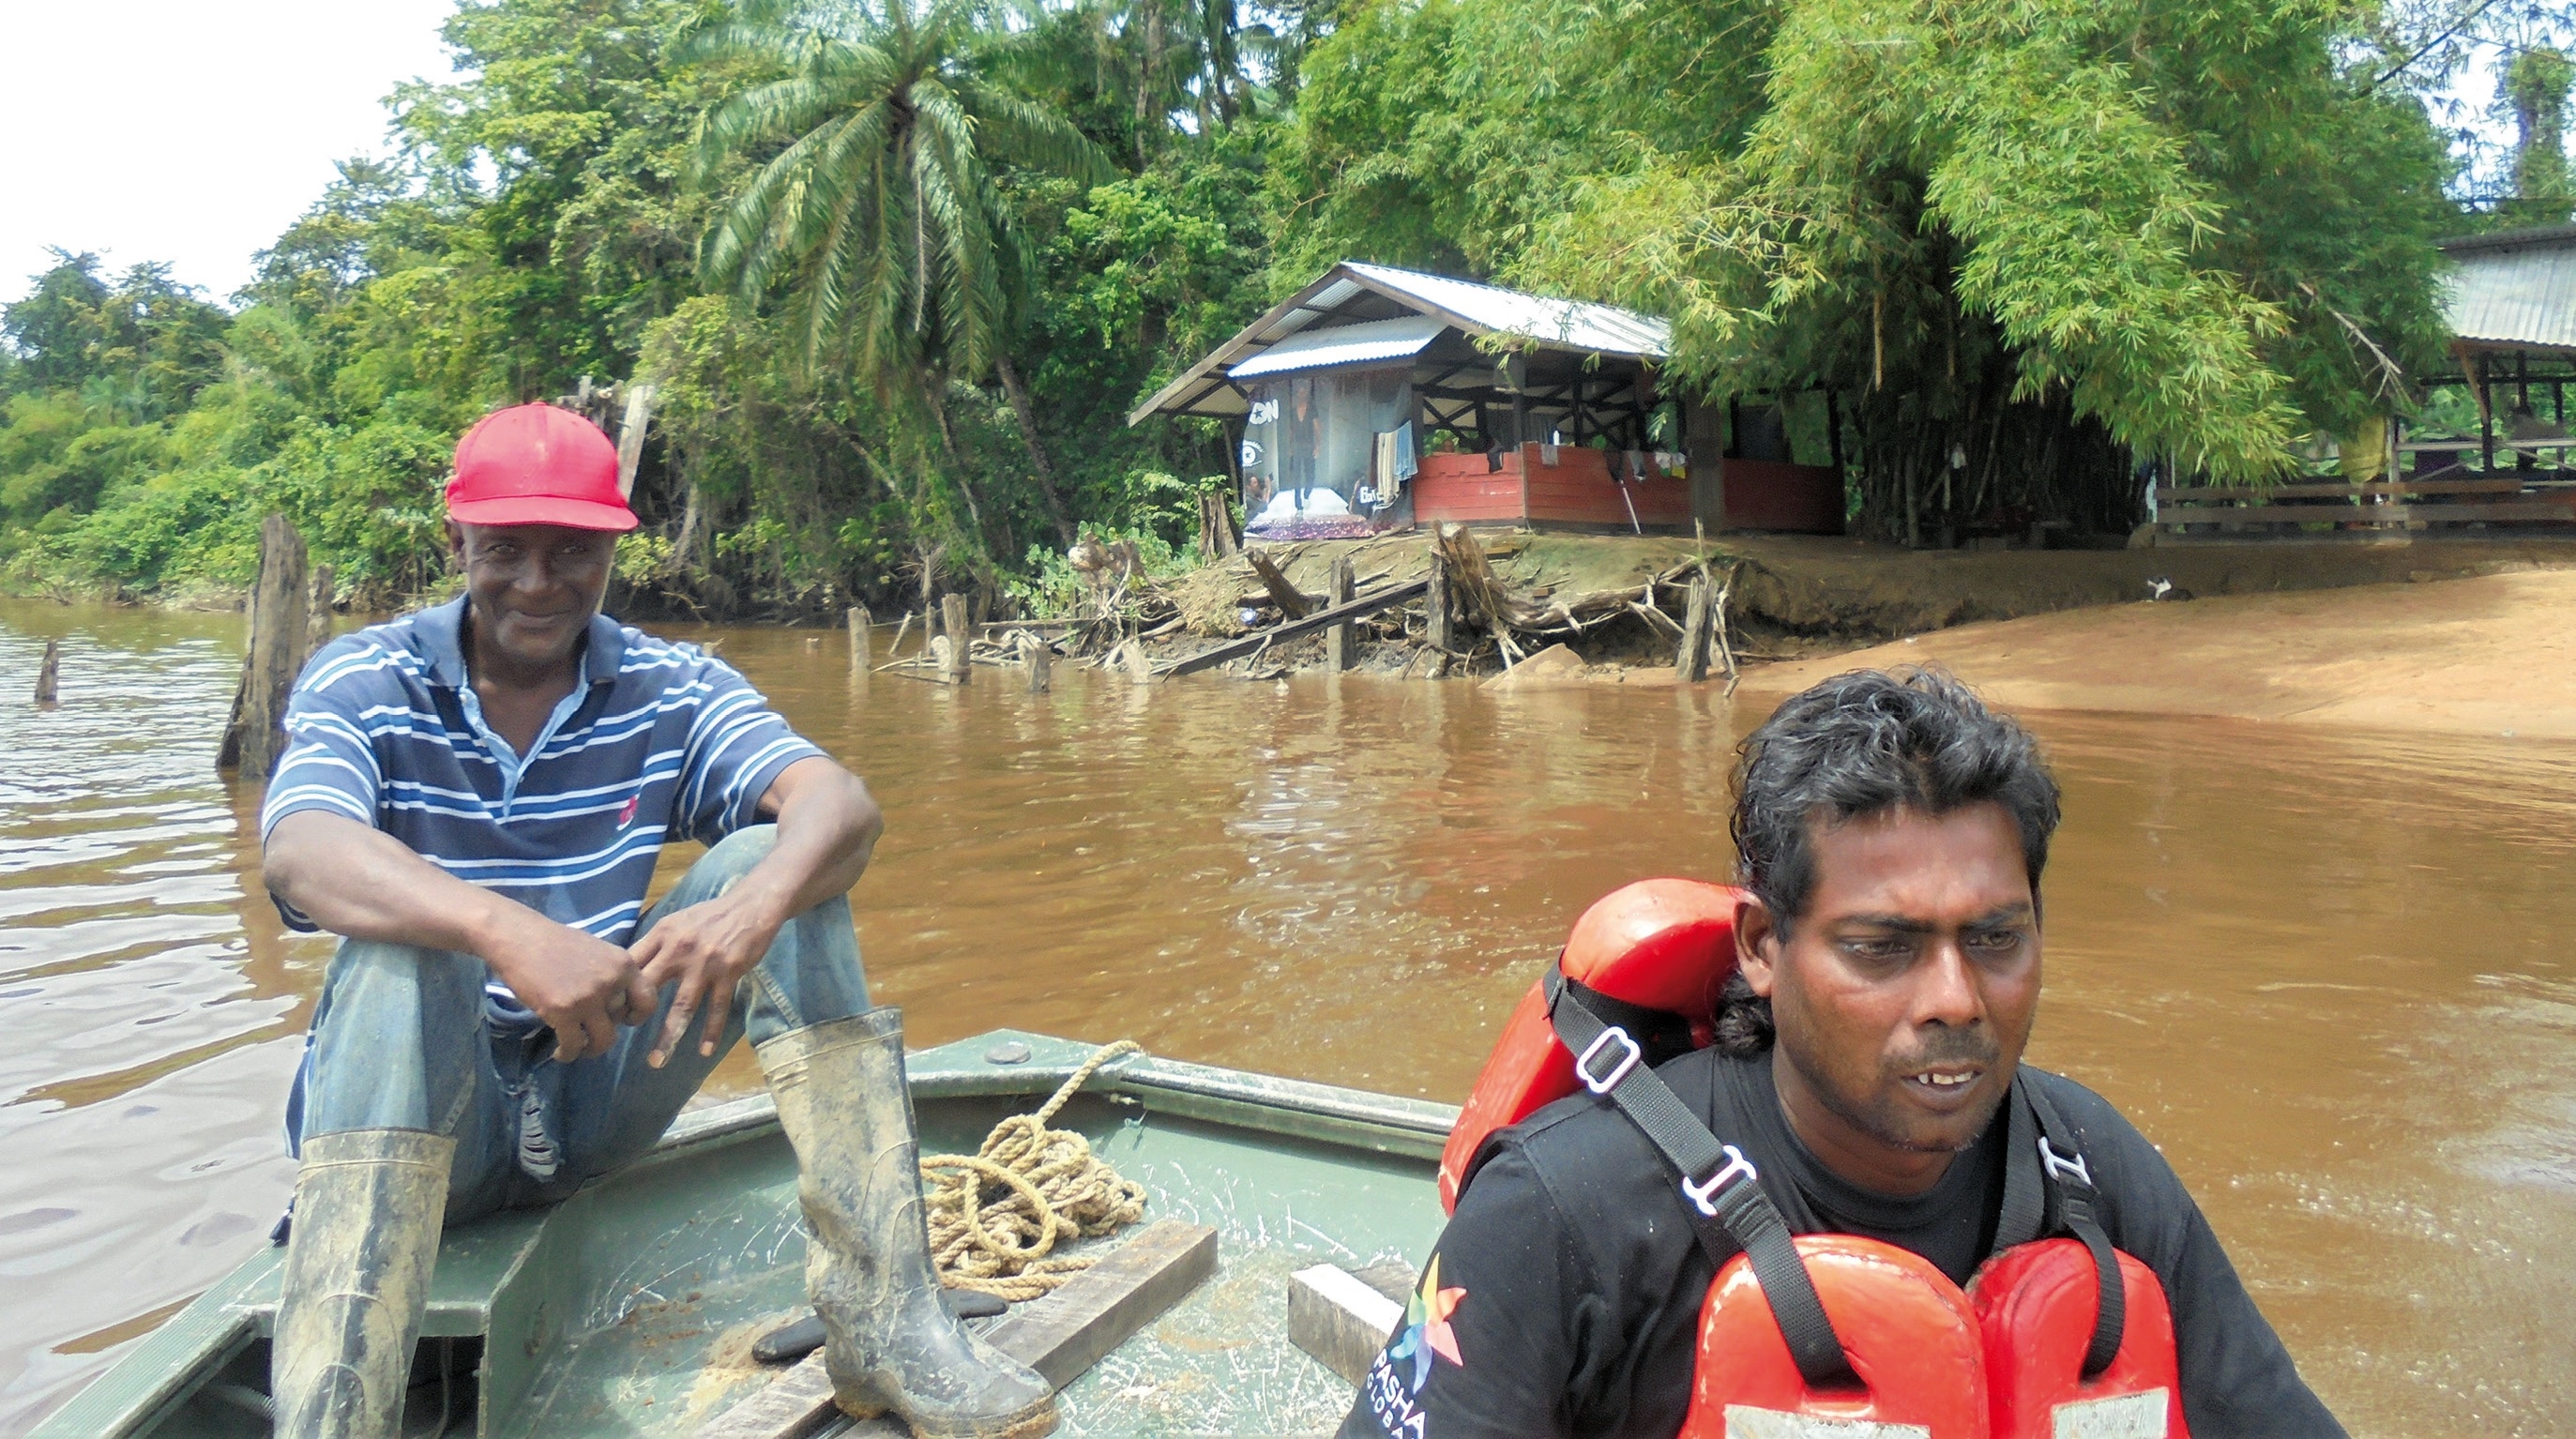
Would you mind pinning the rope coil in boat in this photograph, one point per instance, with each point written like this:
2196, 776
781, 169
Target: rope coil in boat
997, 1215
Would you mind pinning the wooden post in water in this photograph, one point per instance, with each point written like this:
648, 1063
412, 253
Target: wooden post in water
317, 614
49, 676
1438, 603
1041, 659
960, 636
1692, 665
1338, 639
253, 738
859, 622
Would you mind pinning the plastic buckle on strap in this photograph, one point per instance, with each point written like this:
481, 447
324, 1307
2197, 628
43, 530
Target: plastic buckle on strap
2062, 1168
1704, 1195
1619, 1071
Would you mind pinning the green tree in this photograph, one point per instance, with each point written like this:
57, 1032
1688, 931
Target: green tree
2536, 86
880, 206
2025, 244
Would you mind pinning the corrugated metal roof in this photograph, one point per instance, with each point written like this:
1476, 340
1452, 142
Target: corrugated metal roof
1372, 342
1567, 324
2515, 289
1577, 326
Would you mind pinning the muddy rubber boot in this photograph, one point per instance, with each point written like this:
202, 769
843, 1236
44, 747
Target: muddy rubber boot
369, 1204
890, 1341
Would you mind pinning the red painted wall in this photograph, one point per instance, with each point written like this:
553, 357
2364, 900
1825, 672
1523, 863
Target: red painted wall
1576, 490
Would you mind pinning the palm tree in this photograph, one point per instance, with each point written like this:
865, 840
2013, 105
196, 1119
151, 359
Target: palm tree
881, 210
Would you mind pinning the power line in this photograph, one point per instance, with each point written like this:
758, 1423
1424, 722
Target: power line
2427, 47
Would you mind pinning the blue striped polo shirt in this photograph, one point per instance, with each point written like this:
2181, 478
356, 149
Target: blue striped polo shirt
659, 741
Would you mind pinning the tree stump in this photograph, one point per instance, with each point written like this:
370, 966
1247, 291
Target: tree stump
255, 735
1040, 661
859, 656
1339, 640
49, 676
1691, 666
960, 663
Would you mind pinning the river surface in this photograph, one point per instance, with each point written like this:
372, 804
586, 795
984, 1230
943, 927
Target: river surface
2329, 973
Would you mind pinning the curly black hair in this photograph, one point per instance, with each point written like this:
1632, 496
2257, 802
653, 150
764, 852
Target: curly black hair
1861, 744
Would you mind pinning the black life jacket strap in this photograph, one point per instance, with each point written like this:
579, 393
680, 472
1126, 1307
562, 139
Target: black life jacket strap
1721, 1191
2062, 1161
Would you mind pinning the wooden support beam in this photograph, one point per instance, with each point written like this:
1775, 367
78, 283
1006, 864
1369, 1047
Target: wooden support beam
1443, 605
1338, 640
1236, 649
1059, 1336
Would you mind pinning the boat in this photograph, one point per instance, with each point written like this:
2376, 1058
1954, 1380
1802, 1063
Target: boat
631, 1308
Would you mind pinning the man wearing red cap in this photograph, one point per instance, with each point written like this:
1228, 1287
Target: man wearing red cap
474, 796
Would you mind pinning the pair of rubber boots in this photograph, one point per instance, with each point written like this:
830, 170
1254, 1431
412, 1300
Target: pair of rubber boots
369, 1203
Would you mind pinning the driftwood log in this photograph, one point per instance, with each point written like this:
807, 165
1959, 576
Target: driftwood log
1293, 603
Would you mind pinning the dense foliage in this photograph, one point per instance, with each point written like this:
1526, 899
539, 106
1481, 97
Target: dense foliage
899, 267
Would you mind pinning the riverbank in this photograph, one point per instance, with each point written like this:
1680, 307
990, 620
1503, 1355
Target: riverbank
2490, 654
1616, 601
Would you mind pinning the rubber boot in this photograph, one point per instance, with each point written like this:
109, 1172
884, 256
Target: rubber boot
369, 1204
890, 1342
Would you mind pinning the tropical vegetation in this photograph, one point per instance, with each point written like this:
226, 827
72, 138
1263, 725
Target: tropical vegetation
898, 268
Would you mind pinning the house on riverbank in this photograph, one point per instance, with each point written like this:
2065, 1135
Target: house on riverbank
1376, 398
2511, 305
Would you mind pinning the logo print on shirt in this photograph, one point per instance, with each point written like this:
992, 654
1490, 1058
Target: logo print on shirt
626, 816
1427, 1331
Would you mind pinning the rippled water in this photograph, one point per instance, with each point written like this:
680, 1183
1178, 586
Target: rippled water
2327, 972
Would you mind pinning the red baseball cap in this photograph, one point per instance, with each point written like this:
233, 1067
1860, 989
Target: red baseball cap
537, 465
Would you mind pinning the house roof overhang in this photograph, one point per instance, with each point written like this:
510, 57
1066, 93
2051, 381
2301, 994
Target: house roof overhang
1573, 327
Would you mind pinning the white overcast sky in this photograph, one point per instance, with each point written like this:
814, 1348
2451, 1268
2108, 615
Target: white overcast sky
193, 133
189, 131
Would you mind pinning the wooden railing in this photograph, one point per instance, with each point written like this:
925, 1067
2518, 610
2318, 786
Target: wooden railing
2450, 488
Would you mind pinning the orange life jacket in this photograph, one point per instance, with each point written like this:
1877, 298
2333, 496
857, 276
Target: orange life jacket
1666, 945
1802, 1336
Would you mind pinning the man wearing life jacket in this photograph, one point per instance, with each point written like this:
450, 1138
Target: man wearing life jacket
1864, 1083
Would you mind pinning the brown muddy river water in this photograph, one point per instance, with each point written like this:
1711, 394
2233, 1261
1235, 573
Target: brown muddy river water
2331, 974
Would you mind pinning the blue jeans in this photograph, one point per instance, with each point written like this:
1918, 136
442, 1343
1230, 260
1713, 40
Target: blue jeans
402, 1039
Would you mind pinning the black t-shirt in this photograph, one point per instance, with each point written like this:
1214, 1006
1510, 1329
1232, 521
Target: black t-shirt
1569, 1283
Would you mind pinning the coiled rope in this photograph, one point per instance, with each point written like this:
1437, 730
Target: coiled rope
997, 1215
